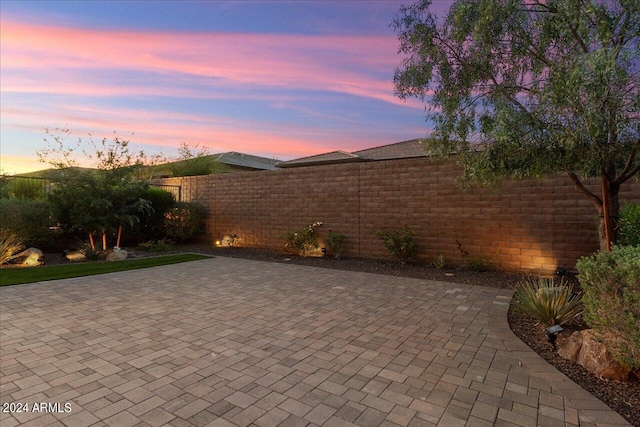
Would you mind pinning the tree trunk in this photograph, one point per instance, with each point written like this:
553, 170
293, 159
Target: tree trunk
104, 240
608, 230
93, 244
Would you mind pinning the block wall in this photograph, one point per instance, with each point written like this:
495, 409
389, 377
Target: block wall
525, 225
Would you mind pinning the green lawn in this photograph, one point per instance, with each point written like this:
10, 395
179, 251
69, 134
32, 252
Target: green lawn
16, 276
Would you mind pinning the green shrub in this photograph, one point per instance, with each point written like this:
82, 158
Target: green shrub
184, 222
551, 304
630, 225
162, 245
30, 220
399, 243
611, 283
26, 188
151, 226
478, 263
335, 242
302, 241
10, 246
90, 252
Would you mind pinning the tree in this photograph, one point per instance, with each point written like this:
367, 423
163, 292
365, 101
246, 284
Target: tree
528, 88
99, 200
195, 160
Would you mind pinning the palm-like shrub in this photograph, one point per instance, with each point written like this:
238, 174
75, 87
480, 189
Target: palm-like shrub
551, 304
10, 246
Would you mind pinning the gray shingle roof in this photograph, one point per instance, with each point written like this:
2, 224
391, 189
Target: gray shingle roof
321, 159
398, 150
248, 161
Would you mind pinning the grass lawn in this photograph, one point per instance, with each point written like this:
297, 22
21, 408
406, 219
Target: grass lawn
16, 276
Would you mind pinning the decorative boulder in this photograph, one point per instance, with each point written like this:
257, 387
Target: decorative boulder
74, 256
117, 254
32, 257
586, 349
570, 348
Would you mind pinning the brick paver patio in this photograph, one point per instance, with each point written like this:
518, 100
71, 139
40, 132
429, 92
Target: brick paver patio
225, 342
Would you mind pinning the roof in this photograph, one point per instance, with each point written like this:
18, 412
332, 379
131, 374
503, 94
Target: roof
247, 161
398, 150
332, 157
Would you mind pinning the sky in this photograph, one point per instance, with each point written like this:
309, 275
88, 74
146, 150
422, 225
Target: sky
280, 79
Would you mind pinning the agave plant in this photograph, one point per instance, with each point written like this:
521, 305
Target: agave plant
550, 303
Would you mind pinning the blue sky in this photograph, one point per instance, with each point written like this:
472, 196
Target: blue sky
279, 79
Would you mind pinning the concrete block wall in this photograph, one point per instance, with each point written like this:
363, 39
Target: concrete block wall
528, 225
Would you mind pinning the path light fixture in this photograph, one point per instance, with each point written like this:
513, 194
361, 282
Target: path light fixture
552, 334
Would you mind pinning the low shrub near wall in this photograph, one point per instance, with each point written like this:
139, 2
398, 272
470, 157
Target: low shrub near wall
611, 283
30, 220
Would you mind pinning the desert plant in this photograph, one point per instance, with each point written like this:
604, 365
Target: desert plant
231, 239
630, 225
438, 262
10, 246
162, 245
335, 242
184, 222
611, 284
550, 303
478, 263
399, 243
90, 252
302, 241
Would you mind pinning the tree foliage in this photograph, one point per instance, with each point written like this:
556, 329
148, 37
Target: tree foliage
100, 200
195, 160
527, 88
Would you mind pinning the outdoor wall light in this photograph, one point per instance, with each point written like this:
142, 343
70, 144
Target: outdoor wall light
324, 251
552, 334
218, 243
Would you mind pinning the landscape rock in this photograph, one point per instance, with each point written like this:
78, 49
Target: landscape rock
32, 257
75, 256
586, 348
117, 254
570, 348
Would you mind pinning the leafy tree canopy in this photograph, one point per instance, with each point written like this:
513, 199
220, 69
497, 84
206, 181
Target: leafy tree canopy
526, 88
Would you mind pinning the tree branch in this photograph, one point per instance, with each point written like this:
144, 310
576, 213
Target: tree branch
580, 186
629, 171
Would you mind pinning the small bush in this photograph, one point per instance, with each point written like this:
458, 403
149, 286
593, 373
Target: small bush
10, 246
231, 239
303, 241
399, 243
31, 220
163, 245
479, 263
26, 188
184, 222
89, 252
438, 262
611, 283
335, 241
551, 304
630, 225
151, 226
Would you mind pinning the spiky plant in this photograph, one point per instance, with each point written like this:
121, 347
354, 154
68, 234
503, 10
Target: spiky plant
550, 303
10, 246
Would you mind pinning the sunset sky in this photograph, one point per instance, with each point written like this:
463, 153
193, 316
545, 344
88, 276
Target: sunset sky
279, 79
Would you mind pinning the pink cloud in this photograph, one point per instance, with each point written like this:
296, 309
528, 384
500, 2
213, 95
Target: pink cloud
319, 63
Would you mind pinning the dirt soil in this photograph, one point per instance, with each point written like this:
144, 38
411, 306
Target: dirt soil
622, 397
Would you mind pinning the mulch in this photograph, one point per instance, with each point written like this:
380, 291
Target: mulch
622, 397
